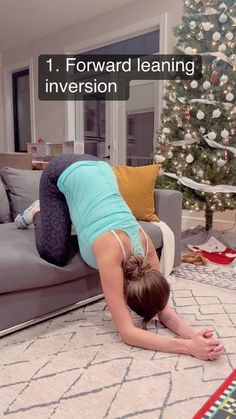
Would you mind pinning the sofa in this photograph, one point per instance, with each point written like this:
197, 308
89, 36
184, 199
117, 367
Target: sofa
31, 289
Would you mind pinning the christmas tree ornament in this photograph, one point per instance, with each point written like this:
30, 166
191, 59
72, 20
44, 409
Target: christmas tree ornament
200, 115
188, 136
222, 6
188, 51
223, 18
169, 154
187, 3
224, 133
216, 36
200, 36
186, 84
200, 172
172, 97
187, 115
215, 63
214, 77
216, 113
222, 48
233, 59
210, 96
226, 155
177, 80
206, 85
207, 26
189, 158
159, 158
194, 84
202, 130
229, 36
180, 124
212, 135
166, 130
220, 162
192, 24
209, 2
224, 79
229, 97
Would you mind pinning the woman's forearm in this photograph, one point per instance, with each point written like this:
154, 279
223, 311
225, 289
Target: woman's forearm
148, 340
175, 323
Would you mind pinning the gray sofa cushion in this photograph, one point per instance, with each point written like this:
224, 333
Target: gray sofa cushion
22, 188
26, 270
4, 204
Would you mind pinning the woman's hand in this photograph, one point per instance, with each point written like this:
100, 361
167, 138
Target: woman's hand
204, 346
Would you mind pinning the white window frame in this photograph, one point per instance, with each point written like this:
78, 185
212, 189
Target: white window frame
116, 110
8, 102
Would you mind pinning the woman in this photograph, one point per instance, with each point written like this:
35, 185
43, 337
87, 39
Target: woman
83, 190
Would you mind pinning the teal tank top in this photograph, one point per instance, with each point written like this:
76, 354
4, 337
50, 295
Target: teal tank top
96, 206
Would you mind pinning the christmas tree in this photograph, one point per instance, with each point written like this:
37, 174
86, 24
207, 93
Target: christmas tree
197, 139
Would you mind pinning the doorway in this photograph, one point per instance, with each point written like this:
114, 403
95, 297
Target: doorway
21, 109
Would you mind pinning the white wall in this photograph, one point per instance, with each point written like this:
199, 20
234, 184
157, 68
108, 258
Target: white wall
1, 109
50, 116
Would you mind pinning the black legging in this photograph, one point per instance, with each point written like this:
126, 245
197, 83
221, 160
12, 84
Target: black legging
53, 223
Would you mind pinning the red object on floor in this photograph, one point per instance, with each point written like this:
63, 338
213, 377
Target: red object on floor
218, 257
222, 404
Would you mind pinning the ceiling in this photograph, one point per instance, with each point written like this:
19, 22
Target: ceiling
22, 21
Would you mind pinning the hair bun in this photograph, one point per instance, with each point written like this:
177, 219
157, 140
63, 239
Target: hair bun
134, 267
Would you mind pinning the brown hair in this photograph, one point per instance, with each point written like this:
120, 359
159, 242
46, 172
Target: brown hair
146, 290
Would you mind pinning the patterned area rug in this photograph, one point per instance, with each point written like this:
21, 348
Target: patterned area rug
224, 277
75, 366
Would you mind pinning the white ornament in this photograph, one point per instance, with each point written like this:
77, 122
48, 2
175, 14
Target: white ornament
207, 26
224, 133
188, 51
206, 85
200, 115
188, 136
229, 35
200, 173
224, 79
200, 36
159, 158
189, 158
223, 18
216, 113
233, 59
166, 130
169, 154
222, 48
221, 162
216, 36
229, 97
194, 84
212, 135
192, 24
222, 6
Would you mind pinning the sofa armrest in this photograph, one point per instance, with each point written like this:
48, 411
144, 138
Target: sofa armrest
168, 205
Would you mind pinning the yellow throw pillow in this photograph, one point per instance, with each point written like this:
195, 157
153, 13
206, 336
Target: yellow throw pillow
136, 185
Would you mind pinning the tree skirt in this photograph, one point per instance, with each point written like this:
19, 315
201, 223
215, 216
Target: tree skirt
222, 404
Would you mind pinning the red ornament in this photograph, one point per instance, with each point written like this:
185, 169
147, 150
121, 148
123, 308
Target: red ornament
225, 155
214, 77
187, 115
186, 84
